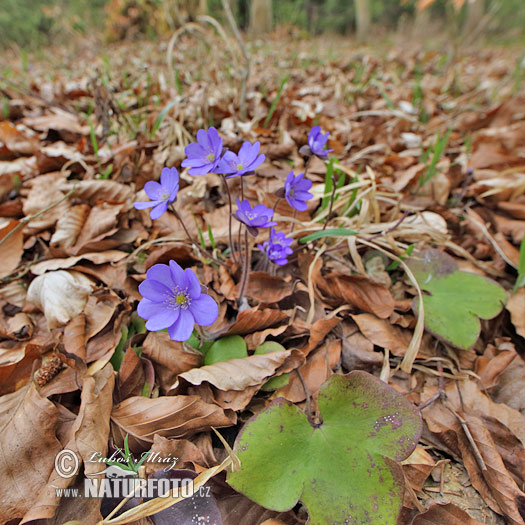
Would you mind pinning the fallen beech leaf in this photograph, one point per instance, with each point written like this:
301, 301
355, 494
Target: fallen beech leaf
510, 389
14, 141
358, 291
268, 288
253, 320
108, 256
61, 295
12, 248
237, 374
384, 334
169, 416
69, 225
186, 452
516, 307
29, 447
441, 514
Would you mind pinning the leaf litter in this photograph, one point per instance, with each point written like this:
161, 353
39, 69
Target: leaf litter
79, 370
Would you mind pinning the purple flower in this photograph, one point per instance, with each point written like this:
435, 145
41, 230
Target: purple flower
205, 154
257, 217
317, 142
172, 299
162, 194
277, 248
245, 162
296, 191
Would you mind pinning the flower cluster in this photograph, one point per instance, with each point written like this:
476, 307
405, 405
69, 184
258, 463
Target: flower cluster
172, 298
277, 248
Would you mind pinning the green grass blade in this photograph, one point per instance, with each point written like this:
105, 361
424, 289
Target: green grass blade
275, 101
333, 232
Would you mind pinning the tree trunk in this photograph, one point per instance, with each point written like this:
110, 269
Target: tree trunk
362, 17
261, 17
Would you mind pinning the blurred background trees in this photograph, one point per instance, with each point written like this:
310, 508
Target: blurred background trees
30, 23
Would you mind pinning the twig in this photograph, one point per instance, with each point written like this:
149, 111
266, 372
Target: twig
25, 220
397, 224
246, 72
309, 414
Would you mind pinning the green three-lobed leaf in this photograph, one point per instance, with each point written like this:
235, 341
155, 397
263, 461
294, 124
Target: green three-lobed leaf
345, 470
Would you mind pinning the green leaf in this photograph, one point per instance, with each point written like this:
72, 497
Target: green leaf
343, 471
226, 348
273, 107
457, 299
276, 382
330, 232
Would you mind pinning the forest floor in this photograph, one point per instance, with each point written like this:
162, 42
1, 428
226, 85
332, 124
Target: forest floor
428, 159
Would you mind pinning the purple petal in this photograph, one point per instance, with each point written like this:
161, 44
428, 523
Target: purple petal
257, 162
249, 152
154, 291
194, 286
157, 315
153, 190
228, 163
144, 205
204, 140
169, 179
160, 273
201, 170
302, 195
178, 276
205, 310
182, 328
156, 212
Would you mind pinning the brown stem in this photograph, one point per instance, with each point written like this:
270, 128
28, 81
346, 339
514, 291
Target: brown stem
245, 278
230, 240
190, 238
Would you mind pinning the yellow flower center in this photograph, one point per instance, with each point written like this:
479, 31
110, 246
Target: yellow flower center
180, 298
210, 157
239, 167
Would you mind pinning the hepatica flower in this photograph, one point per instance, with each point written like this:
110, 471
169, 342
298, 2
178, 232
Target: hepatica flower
205, 154
162, 194
257, 217
317, 142
245, 162
277, 248
296, 191
172, 299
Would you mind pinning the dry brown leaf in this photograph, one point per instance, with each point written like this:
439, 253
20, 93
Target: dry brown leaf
238, 374
510, 390
61, 295
75, 336
169, 358
12, 248
169, 416
448, 514
88, 433
29, 447
253, 320
188, 455
268, 288
136, 375
384, 334
69, 225
516, 306
108, 256
356, 290
15, 141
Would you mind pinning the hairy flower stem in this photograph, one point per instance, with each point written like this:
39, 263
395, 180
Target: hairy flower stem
230, 239
246, 267
202, 250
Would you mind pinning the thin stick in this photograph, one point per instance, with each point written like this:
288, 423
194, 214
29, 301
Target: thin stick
309, 413
246, 72
230, 240
25, 220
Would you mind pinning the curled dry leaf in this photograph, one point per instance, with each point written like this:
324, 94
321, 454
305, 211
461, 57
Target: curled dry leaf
441, 514
516, 307
238, 374
29, 447
12, 248
356, 290
169, 416
268, 288
254, 320
69, 225
61, 295
15, 141
108, 256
